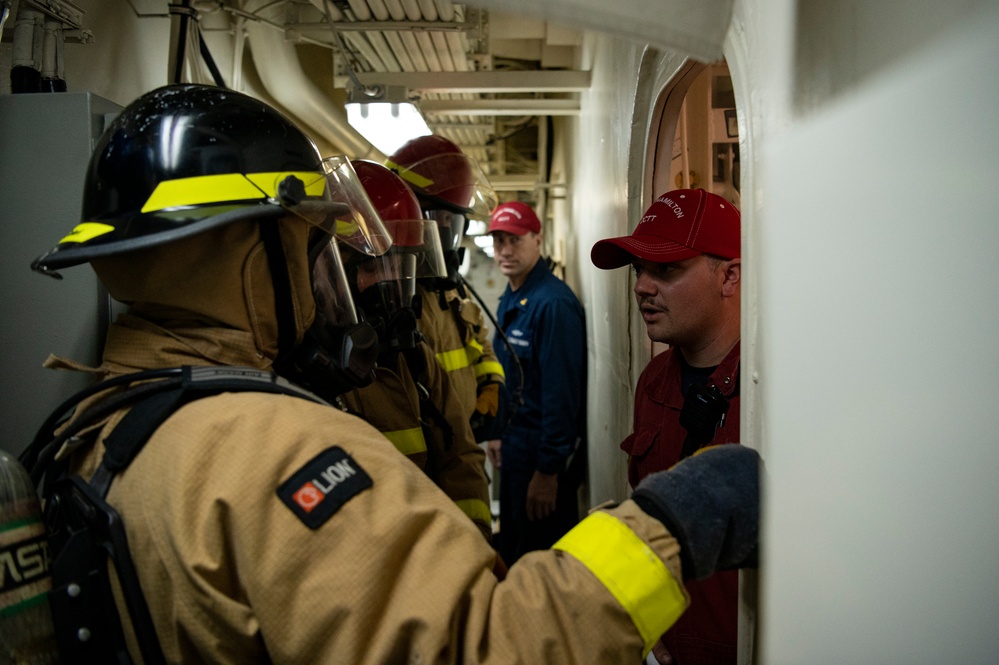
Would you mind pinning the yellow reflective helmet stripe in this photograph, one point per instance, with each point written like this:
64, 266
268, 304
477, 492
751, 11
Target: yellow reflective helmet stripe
453, 360
411, 177
345, 228
630, 570
489, 367
227, 187
476, 509
87, 231
408, 441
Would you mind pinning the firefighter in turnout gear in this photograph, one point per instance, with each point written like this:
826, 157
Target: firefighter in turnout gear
412, 401
452, 189
265, 528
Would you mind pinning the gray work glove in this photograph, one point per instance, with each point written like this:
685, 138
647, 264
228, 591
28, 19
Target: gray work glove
711, 504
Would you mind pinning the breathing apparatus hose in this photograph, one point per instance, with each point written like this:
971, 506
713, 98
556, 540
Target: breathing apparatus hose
516, 399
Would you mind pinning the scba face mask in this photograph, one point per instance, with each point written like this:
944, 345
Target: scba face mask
385, 286
340, 351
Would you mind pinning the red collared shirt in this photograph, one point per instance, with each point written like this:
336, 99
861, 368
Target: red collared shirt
657, 437
707, 633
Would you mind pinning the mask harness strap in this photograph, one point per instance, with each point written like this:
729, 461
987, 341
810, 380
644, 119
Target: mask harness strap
283, 302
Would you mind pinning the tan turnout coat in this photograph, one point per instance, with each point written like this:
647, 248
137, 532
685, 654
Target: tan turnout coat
460, 340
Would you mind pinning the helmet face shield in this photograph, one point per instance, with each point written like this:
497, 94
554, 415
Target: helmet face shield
482, 198
385, 286
348, 215
386, 283
422, 239
361, 226
415, 254
450, 180
431, 263
334, 303
451, 227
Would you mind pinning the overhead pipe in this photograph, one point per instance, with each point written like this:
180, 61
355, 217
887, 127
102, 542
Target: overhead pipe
395, 10
53, 70
456, 44
429, 9
384, 51
445, 9
26, 58
282, 76
429, 52
456, 41
366, 10
378, 10
399, 49
412, 10
239, 45
443, 52
412, 47
361, 45
356, 41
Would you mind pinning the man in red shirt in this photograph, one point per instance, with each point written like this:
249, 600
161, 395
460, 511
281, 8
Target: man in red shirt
686, 256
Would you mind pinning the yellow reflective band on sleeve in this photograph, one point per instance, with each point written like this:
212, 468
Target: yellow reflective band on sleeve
408, 441
489, 367
473, 350
630, 570
409, 176
453, 360
476, 509
87, 231
226, 187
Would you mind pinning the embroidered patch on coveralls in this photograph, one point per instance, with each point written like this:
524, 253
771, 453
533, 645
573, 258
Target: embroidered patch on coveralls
321, 487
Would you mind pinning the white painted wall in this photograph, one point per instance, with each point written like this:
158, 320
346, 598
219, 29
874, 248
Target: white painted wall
599, 196
126, 61
873, 228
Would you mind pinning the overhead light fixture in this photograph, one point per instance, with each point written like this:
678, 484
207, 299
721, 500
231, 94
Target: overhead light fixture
385, 116
477, 227
485, 243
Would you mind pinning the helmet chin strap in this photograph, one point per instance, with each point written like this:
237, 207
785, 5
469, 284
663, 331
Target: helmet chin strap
283, 304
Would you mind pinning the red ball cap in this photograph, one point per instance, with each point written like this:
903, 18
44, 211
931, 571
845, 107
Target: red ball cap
516, 218
679, 225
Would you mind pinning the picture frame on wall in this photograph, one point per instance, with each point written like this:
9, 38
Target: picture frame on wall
731, 124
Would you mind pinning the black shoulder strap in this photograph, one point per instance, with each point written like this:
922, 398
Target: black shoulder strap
87, 535
429, 413
131, 434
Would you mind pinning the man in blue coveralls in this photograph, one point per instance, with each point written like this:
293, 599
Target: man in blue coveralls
539, 454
